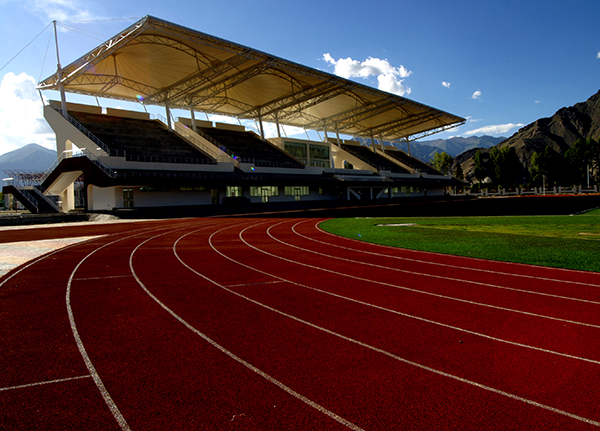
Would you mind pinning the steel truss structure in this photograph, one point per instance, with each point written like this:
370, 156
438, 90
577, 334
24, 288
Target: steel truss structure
156, 62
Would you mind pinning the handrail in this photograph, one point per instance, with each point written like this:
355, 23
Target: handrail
218, 145
29, 197
47, 196
216, 153
74, 153
16, 182
83, 130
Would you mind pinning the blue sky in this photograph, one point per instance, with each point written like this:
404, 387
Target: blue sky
501, 64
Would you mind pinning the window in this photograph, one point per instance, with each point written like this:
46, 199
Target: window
154, 189
297, 191
233, 191
296, 149
319, 156
264, 192
192, 188
128, 198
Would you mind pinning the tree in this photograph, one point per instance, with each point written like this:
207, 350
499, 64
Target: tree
442, 162
546, 166
458, 172
479, 170
580, 159
508, 170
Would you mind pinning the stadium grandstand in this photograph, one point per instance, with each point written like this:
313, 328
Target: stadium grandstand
127, 158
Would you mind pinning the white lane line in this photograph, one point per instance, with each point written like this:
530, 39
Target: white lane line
466, 268
384, 352
233, 356
531, 292
397, 286
255, 284
102, 278
48, 382
410, 316
86, 359
114, 409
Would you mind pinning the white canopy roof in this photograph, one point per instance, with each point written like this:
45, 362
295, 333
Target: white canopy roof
161, 63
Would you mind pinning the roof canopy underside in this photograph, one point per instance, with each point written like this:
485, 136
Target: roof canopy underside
161, 63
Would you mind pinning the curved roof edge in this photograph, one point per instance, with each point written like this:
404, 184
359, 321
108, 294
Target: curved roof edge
157, 62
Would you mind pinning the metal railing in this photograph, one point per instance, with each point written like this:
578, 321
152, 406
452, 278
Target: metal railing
18, 184
83, 130
214, 150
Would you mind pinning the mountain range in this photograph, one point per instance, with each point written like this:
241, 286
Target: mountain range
31, 157
560, 131
424, 150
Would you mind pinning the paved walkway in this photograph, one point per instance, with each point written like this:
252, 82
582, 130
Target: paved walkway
18, 253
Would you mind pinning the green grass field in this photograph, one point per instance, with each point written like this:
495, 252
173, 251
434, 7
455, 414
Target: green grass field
558, 241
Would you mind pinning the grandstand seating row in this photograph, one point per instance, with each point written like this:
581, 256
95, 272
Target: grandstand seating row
143, 140
369, 156
251, 149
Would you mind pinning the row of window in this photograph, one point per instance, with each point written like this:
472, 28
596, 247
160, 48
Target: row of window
311, 154
268, 191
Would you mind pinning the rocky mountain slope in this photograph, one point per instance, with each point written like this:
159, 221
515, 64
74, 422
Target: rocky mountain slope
561, 131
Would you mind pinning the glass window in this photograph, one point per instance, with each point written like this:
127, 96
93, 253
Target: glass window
296, 149
264, 191
297, 191
233, 191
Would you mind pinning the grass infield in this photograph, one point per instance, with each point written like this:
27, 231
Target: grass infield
559, 241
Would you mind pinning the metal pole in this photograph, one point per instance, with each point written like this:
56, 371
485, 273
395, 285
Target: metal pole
262, 130
278, 130
168, 114
61, 85
193, 115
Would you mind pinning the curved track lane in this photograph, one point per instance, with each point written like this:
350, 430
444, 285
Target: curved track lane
275, 324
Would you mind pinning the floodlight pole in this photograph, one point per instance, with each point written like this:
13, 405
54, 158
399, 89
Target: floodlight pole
61, 85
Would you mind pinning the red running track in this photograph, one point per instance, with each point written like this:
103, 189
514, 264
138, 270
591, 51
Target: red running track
274, 324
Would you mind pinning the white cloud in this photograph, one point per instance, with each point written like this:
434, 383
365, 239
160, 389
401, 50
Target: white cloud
598, 55
21, 114
476, 95
59, 10
446, 84
495, 130
389, 78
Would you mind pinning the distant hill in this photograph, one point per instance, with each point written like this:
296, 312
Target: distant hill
31, 157
561, 131
424, 150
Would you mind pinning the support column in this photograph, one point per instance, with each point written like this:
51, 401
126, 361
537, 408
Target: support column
168, 114
278, 130
262, 130
193, 116
408, 145
68, 199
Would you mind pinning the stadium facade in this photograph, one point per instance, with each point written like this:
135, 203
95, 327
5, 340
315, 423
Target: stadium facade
123, 159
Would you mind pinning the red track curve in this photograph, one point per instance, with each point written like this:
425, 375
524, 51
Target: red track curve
275, 324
